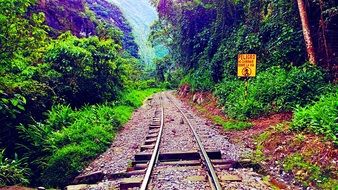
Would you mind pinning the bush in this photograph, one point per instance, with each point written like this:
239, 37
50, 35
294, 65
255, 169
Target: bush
199, 80
61, 146
87, 70
12, 172
71, 139
123, 113
20, 101
135, 98
66, 163
273, 90
319, 118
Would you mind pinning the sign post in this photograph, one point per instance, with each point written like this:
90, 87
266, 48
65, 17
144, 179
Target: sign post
246, 68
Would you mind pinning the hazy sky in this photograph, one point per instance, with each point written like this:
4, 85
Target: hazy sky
140, 14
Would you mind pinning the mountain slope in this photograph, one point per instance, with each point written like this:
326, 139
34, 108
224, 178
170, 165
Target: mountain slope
140, 14
76, 16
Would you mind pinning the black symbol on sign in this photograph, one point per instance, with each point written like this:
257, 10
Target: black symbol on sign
246, 71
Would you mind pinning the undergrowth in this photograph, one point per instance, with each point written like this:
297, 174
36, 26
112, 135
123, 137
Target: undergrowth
135, 98
273, 90
12, 171
319, 118
277, 145
69, 139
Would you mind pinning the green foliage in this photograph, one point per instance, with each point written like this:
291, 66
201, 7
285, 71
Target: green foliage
37, 72
199, 81
231, 125
87, 70
76, 72
12, 172
167, 74
123, 112
307, 173
319, 118
12, 106
66, 163
22, 37
209, 49
21, 99
61, 146
135, 98
226, 88
273, 90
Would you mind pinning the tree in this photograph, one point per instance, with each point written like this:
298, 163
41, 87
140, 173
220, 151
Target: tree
306, 32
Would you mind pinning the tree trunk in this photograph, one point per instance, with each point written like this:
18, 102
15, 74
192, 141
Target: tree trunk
306, 31
323, 26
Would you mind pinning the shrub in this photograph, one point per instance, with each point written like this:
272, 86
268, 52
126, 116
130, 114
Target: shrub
20, 101
199, 80
71, 139
65, 164
87, 70
273, 90
12, 172
61, 146
319, 118
60, 116
135, 98
123, 113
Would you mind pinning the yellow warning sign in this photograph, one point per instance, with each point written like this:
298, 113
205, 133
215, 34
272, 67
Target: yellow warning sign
246, 65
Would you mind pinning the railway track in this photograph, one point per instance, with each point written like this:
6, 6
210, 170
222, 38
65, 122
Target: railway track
154, 160
181, 158
215, 184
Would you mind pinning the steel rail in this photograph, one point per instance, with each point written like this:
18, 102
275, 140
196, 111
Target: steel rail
205, 156
155, 154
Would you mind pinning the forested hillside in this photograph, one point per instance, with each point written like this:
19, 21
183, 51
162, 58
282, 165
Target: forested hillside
83, 17
141, 16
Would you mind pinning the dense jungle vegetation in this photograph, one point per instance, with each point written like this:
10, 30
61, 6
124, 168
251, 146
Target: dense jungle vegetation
204, 38
64, 83
62, 97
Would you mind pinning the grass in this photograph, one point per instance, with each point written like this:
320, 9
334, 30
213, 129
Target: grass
135, 98
12, 172
123, 112
258, 154
231, 125
64, 144
319, 118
